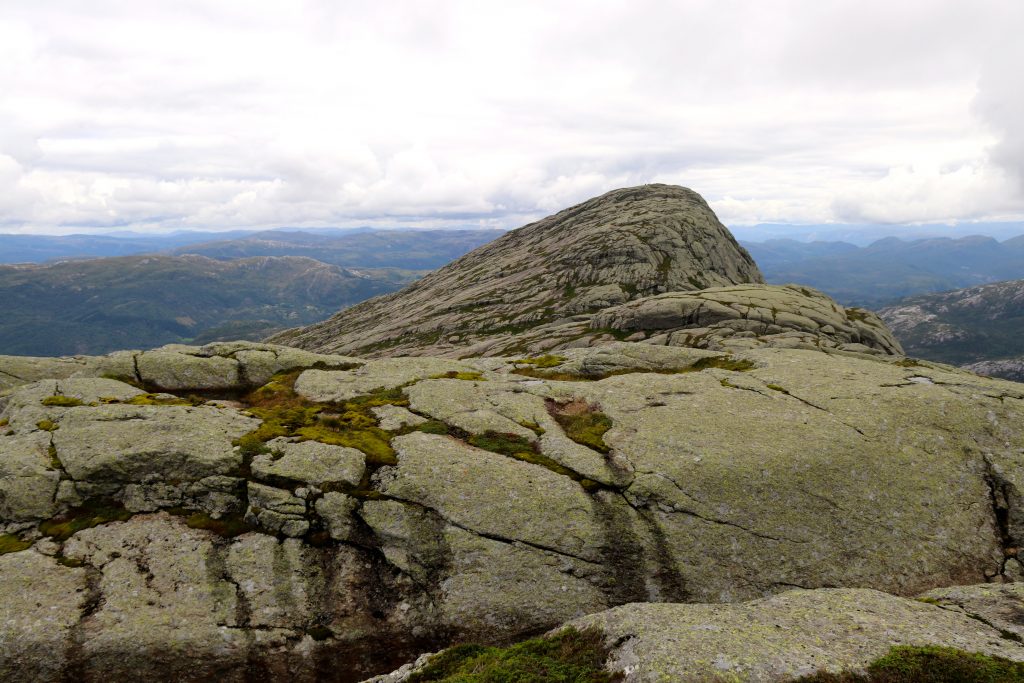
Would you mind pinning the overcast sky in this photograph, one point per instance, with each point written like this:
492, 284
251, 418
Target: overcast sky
225, 114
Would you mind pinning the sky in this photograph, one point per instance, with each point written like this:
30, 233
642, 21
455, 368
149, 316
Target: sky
160, 115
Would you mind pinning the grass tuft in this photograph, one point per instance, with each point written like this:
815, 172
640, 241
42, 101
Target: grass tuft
570, 656
546, 361
453, 374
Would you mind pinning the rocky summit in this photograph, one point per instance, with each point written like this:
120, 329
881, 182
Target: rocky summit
729, 481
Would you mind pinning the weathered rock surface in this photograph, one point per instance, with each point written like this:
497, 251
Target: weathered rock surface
783, 637
622, 245
717, 478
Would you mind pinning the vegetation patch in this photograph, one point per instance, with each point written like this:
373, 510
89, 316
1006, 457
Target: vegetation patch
570, 656
546, 361
453, 374
47, 425
432, 427
909, 363
4, 422
348, 423
582, 422
722, 363
164, 400
10, 543
92, 513
515, 446
227, 526
778, 388
905, 664
62, 401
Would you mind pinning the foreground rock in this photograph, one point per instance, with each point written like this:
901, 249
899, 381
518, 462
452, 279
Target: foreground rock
785, 637
505, 497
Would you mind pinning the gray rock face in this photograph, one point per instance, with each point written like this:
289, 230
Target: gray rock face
622, 245
744, 316
621, 473
1009, 368
781, 638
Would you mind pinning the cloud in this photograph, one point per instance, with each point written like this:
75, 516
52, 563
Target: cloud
190, 114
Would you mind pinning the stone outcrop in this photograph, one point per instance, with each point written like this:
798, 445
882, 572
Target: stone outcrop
483, 498
622, 245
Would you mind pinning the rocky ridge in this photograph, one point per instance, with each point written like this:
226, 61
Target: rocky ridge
418, 501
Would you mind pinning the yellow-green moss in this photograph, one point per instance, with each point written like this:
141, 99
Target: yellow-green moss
452, 374
546, 361
9, 543
929, 664
47, 425
778, 388
569, 656
4, 422
62, 401
582, 422
157, 400
722, 363
908, 363
90, 514
348, 423
228, 526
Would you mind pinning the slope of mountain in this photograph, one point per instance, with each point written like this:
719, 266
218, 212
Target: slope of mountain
99, 305
890, 268
628, 264
963, 326
409, 249
617, 247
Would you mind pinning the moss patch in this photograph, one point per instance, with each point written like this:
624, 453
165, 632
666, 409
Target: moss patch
929, 665
62, 401
582, 422
570, 656
4, 422
164, 400
348, 423
228, 526
47, 425
452, 374
721, 363
546, 361
92, 513
857, 314
515, 446
9, 543
908, 363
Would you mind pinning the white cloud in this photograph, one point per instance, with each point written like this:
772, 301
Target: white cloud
194, 114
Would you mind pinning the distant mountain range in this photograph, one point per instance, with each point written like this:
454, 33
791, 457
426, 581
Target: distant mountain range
964, 326
891, 268
100, 305
411, 249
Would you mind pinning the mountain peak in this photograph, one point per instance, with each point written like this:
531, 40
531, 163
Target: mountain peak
623, 245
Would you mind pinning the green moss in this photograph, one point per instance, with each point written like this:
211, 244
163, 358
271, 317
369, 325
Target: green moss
4, 422
157, 400
532, 426
908, 363
546, 361
228, 526
929, 665
499, 442
722, 363
432, 427
697, 284
47, 425
582, 422
62, 401
92, 513
570, 656
69, 561
452, 374
55, 463
9, 543
780, 389
251, 445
